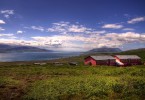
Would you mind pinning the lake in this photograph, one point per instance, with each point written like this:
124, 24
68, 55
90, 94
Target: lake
30, 56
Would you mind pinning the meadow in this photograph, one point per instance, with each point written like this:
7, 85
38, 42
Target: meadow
65, 82
27, 81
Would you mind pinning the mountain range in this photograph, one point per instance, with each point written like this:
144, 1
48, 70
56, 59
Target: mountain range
104, 50
6, 48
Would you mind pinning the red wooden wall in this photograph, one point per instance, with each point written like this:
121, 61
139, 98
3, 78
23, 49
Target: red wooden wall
91, 61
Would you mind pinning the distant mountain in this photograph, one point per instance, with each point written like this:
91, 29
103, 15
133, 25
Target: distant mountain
105, 50
6, 48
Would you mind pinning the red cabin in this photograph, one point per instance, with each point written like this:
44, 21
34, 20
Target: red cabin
100, 60
128, 60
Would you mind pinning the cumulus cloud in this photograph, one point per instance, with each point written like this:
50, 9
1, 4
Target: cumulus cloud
2, 29
15, 41
80, 42
11, 12
83, 39
2, 22
7, 13
136, 20
6, 35
66, 28
39, 28
62, 42
77, 28
73, 42
20, 32
112, 26
98, 32
128, 29
91, 41
126, 37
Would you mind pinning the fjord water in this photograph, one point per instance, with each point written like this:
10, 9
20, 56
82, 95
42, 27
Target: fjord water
30, 56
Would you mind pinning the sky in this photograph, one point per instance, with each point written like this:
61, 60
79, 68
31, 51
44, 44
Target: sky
73, 25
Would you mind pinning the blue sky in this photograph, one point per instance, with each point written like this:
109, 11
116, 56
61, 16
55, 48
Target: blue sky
73, 25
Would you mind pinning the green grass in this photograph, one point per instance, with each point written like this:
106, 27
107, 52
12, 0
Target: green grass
8, 81
49, 82
90, 87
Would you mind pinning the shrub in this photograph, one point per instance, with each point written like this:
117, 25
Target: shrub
138, 73
118, 87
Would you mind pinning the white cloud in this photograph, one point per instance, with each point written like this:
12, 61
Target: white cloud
77, 29
39, 28
136, 20
62, 42
83, 39
62, 23
6, 35
11, 12
113, 26
7, 13
20, 32
2, 22
7, 16
128, 29
14, 41
91, 41
2, 29
126, 37
79, 42
97, 32
66, 28
130, 35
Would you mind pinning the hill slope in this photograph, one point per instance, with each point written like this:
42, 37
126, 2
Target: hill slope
139, 52
104, 50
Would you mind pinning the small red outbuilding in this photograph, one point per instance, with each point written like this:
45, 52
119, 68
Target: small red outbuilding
100, 60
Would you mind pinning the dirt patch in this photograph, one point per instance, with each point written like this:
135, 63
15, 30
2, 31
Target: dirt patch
11, 93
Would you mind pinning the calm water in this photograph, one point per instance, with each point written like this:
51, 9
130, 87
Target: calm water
4, 57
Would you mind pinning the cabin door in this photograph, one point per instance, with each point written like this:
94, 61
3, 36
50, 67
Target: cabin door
90, 63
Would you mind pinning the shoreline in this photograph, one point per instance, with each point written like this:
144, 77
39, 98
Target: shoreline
49, 58
62, 60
